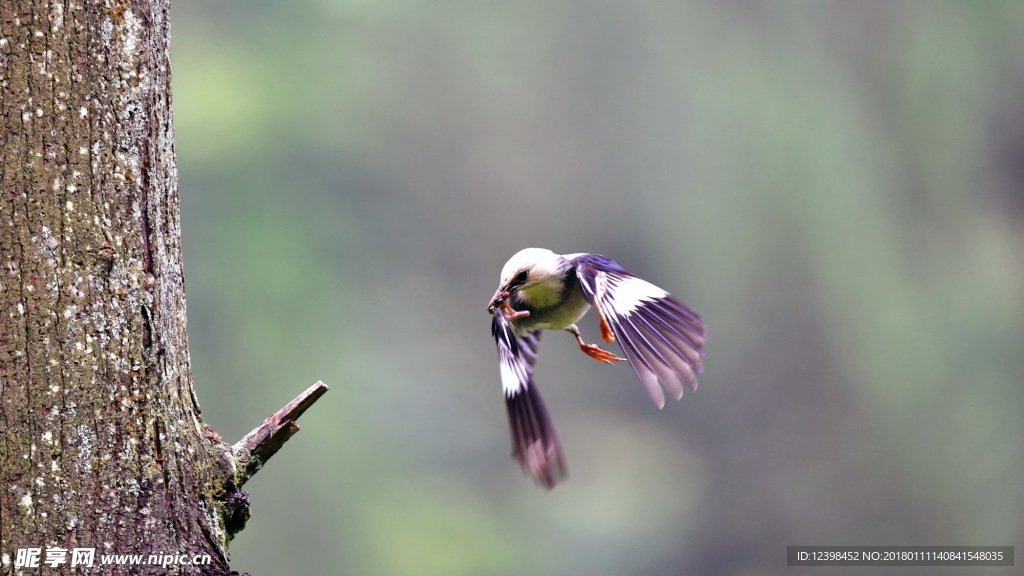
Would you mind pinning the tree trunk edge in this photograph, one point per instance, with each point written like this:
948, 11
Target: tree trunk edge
101, 440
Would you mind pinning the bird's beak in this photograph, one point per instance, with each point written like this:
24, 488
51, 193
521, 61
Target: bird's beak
498, 299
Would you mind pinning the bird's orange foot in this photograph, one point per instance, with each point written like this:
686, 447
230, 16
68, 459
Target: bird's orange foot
606, 329
599, 354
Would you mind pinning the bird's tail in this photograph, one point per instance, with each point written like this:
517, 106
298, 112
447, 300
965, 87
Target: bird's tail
534, 440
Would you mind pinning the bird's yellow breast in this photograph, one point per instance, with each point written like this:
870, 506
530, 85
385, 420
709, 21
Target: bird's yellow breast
543, 294
558, 315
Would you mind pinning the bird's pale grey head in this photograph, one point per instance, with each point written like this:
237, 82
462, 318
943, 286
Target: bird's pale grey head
535, 275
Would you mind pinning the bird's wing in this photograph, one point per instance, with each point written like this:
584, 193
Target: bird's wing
534, 440
662, 337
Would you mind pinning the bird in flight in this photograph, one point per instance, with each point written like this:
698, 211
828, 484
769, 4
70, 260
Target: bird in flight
662, 338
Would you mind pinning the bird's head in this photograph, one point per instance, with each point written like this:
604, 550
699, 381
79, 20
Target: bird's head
534, 276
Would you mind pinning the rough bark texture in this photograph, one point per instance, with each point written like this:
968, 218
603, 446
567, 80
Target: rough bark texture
101, 441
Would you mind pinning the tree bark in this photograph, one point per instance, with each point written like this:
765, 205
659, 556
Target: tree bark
101, 441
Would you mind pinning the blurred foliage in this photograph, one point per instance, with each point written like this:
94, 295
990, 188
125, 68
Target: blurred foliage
837, 186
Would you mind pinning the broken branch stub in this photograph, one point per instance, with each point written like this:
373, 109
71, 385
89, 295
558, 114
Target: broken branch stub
256, 447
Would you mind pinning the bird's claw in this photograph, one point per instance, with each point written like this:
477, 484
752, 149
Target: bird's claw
599, 354
510, 313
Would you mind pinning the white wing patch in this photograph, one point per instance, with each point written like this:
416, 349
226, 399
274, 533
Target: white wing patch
516, 356
513, 374
627, 293
662, 337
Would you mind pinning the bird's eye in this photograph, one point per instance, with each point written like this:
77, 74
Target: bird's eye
520, 278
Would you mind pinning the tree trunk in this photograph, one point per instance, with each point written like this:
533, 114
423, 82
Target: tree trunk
101, 442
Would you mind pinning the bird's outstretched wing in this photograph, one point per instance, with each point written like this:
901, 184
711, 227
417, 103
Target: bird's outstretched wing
662, 337
534, 440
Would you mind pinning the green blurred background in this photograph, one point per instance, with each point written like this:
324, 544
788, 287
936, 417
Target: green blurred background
838, 187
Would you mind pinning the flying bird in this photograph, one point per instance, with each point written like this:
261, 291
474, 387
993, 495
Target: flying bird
662, 338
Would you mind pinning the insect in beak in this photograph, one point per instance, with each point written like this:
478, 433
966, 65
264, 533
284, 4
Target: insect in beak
499, 298
500, 303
